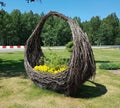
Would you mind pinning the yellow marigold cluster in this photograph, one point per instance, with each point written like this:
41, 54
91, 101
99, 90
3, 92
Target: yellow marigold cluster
52, 70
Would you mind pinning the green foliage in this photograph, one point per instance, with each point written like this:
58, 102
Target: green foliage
91, 28
103, 32
16, 27
69, 46
110, 66
56, 32
53, 59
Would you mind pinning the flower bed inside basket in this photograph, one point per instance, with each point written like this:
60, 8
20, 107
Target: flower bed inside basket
81, 66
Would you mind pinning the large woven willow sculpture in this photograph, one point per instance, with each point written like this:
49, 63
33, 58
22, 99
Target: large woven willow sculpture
81, 66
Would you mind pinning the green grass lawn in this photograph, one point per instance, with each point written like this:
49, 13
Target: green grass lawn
17, 91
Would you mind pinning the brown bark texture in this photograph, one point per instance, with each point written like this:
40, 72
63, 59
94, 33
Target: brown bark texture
81, 66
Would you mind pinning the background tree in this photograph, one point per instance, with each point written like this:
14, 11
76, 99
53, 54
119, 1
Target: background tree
113, 21
29, 21
105, 34
117, 40
2, 36
78, 21
6, 29
92, 27
2, 3
56, 32
16, 27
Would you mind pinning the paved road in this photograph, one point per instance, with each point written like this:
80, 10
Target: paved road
11, 50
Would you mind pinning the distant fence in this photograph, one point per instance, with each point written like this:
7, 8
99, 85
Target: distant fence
12, 47
57, 47
107, 46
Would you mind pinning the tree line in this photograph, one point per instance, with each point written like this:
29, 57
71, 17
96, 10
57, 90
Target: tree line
16, 27
103, 32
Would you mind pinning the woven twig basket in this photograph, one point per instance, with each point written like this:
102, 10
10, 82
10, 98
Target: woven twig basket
81, 66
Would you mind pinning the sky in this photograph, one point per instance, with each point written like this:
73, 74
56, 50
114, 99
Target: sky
85, 9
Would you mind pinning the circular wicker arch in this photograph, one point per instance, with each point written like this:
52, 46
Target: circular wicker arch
81, 66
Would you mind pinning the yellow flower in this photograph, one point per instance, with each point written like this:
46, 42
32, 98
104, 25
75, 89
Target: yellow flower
52, 70
36, 68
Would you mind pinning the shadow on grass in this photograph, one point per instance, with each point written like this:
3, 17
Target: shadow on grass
92, 90
12, 68
102, 61
87, 91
